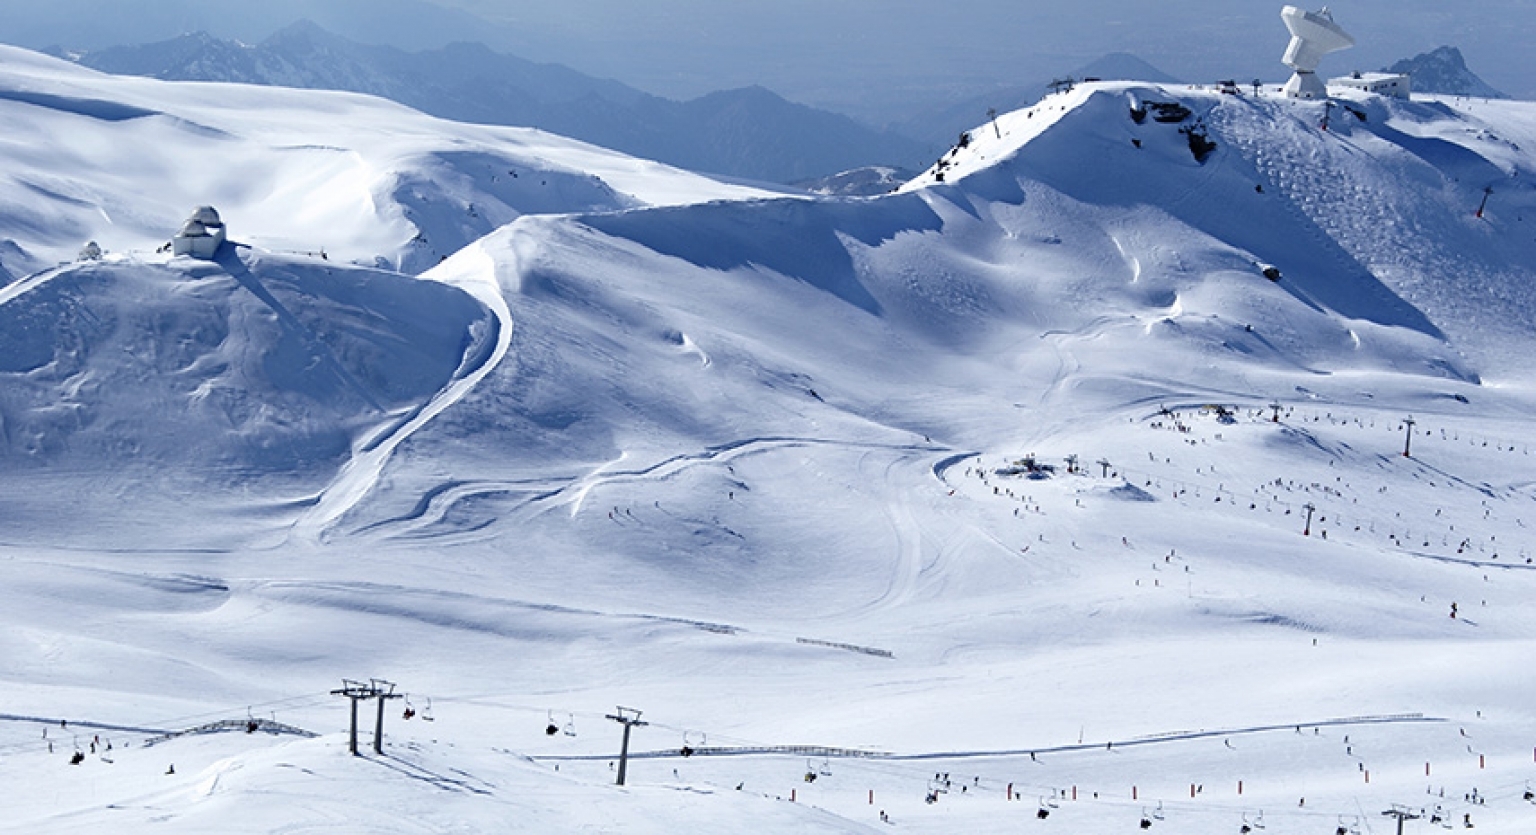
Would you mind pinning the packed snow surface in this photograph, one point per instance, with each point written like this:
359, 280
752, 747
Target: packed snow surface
1064, 492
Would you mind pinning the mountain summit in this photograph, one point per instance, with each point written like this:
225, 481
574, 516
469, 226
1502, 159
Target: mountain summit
1444, 71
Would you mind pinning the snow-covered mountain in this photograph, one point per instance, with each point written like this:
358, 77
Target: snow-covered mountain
120, 160
1067, 490
751, 132
1444, 71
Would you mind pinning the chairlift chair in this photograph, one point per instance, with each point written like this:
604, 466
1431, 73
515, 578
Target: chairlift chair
426, 711
410, 709
570, 724
551, 728
1157, 814
826, 767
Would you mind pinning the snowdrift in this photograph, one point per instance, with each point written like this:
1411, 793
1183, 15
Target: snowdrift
127, 385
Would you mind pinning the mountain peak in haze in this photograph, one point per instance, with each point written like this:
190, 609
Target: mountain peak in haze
1444, 71
751, 133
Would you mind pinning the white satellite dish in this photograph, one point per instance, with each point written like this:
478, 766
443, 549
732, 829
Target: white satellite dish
1313, 35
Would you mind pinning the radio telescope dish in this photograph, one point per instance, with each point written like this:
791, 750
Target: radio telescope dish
1313, 35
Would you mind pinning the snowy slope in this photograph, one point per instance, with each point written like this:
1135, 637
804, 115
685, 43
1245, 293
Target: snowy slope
122, 160
757, 468
1381, 205
128, 385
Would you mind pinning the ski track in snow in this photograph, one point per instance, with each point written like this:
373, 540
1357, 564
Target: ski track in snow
359, 475
26, 285
573, 492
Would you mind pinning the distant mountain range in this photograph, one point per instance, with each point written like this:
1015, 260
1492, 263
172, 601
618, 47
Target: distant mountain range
748, 133
91, 24
1444, 71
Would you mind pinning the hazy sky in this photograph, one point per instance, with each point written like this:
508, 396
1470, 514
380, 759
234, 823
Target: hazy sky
842, 52
872, 58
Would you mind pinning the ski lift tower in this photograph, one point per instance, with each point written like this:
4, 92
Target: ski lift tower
1313, 35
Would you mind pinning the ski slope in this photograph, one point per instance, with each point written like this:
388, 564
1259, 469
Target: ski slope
774, 471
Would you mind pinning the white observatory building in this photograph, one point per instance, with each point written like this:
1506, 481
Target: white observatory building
1393, 85
1313, 35
201, 236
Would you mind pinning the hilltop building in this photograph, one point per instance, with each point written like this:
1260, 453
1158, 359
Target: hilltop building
1396, 85
202, 234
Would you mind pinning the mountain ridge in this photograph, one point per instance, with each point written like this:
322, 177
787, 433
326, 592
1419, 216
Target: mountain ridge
750, 132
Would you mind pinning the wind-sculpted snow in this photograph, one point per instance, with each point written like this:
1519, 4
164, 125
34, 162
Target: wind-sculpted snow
254, 374
797, 238
1372, 217
121, 160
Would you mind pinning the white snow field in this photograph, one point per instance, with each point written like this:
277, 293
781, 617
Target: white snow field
1020, 501
109, 158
